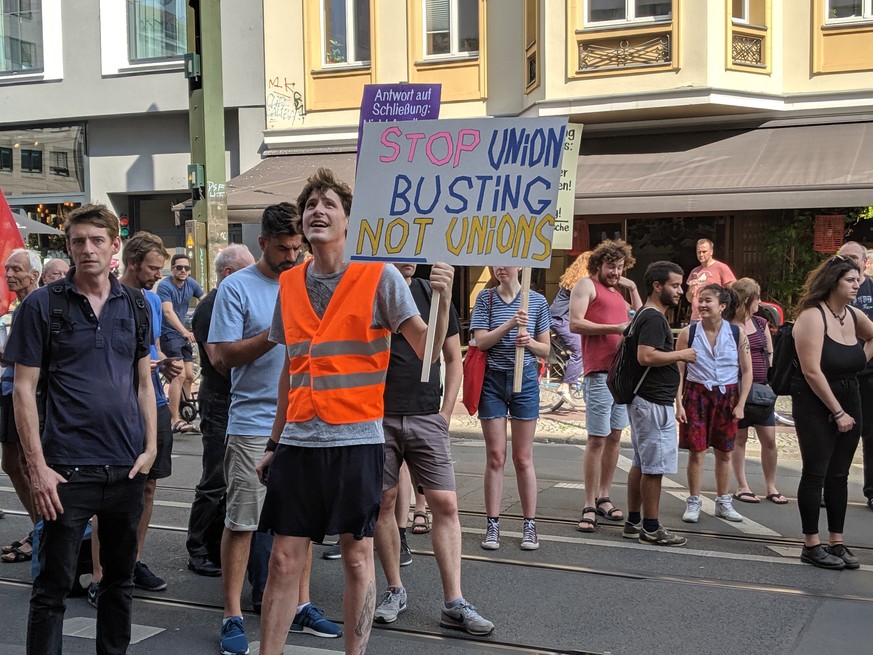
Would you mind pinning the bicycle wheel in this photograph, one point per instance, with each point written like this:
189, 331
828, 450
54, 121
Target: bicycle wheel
551, 372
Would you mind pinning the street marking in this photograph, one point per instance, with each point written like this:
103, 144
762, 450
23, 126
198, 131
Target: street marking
255, 649
172, 503
790, 557
569, 485
86, 628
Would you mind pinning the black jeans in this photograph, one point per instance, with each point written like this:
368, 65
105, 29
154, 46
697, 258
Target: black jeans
826, 453
117, 501
206, 521
865, 382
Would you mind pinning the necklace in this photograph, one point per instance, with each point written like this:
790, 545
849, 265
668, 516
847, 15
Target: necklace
842, 318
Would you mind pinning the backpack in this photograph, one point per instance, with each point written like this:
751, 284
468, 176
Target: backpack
620, 378
785, 364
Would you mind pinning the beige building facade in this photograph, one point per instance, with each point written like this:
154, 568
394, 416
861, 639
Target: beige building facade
700, 118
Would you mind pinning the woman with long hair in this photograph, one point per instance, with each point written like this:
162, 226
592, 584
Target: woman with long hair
748, 294
712, 394
560, 309
833, 342
497, 315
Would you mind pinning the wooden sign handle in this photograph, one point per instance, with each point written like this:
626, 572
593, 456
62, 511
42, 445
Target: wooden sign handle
519, 350
427, 359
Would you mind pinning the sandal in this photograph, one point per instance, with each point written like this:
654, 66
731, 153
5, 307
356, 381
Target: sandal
184, 427
17, 555
585, 524
777, 499
422, 527
15, 545
747, 497
611, 514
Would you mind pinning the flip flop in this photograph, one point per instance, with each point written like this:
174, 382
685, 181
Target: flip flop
420, 528
612, 514
775, 499
747, 497
590, 524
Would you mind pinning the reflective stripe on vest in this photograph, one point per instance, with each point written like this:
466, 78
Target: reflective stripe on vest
337, 363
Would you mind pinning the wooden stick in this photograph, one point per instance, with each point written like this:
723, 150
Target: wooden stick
427, 360
519, 350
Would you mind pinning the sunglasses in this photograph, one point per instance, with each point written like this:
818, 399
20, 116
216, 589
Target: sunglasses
182, 268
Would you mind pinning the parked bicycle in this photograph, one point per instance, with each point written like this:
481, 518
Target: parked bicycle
551, 375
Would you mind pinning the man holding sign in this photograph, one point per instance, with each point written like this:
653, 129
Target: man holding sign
326, 455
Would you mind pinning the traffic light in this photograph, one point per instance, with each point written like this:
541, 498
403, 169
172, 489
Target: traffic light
125, 226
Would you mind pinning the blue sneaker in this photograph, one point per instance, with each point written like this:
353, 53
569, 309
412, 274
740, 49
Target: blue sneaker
233, 637
311, 620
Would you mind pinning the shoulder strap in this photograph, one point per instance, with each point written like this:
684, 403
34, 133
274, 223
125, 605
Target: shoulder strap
854, 316
735, 329
824, 319
58, 306
141, 314
691, 330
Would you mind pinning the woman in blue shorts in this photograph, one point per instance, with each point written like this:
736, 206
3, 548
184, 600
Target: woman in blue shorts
497, 316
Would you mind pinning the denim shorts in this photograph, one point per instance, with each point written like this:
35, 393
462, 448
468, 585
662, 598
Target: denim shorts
653, 437
602, 413
499, 401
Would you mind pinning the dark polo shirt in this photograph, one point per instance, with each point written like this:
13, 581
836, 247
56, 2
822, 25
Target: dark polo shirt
92, 413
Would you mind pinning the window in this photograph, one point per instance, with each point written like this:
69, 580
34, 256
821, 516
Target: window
451, 27
849, 9
5, 159
346, 31
31, 161
608, 11
21, 36
58, 164
740, 11
156, 29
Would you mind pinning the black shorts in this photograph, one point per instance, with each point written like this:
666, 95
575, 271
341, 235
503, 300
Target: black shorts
312, 492
174, 344
8, 431
163, 466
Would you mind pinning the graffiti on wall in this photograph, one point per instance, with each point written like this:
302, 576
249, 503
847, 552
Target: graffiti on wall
284, 103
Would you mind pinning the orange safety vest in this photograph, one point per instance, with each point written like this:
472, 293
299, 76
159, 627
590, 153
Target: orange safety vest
338, 363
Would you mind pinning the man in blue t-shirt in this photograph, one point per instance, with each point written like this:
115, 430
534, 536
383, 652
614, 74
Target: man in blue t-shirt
99, 441
176, 293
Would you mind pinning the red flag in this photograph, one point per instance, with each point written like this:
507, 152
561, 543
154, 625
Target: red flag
10, 239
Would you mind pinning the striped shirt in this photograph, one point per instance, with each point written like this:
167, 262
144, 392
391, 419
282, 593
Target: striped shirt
502, 354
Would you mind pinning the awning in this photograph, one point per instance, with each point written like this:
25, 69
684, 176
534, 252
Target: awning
784, 167
28, 226
280, 179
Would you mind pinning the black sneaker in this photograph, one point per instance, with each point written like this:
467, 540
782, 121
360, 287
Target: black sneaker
332, 553
143, 578
405, 554
93, 592
820, 557
840, 550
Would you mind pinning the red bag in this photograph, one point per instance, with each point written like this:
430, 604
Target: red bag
474, 370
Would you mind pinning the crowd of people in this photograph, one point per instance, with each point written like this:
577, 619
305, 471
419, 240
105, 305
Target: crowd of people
313, 410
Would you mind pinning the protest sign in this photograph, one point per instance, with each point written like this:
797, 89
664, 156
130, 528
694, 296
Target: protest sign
466, 191
398, 102
563, 236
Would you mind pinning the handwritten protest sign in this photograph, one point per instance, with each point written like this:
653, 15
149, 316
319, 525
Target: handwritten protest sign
563, 237
467, 192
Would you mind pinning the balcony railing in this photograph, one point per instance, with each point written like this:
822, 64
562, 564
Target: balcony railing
626, 53
748, 46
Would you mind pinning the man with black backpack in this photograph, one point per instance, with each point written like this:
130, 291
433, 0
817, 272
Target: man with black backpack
651, 413
99, 440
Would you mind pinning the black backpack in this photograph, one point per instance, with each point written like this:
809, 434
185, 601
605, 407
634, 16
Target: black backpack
620, 379
785, 364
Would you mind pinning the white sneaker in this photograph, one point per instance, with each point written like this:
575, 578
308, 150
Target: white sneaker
692, 509
724, 509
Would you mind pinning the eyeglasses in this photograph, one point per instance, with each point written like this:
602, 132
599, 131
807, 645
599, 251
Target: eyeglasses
182, 268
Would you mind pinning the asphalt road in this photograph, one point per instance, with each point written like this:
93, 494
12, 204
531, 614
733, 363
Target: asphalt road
734, 588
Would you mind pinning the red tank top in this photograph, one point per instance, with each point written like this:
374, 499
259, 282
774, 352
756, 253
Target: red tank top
607, 307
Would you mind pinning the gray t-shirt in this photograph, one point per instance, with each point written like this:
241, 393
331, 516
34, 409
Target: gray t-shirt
393, 305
